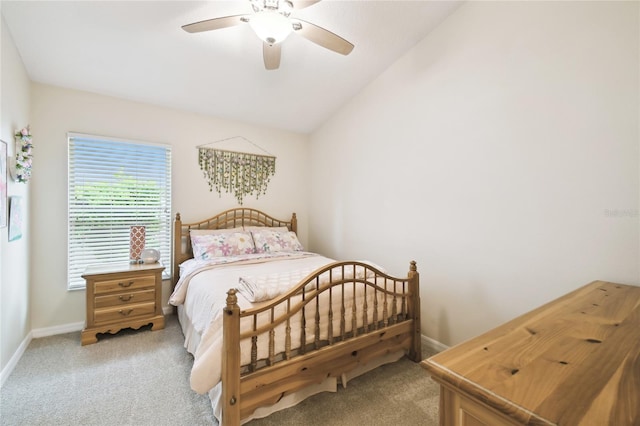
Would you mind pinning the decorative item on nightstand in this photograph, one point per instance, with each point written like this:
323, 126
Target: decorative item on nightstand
136, 243
150, 255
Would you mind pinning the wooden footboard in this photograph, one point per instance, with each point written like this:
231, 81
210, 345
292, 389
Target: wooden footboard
334, 338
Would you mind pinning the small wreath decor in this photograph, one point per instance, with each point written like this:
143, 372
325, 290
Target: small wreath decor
24, 155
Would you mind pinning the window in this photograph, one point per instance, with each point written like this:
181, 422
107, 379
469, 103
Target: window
113, 185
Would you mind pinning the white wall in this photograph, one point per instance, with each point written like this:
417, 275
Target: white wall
15, 322
57, 111
501, 153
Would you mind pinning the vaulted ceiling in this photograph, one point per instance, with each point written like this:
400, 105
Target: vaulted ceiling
137, 50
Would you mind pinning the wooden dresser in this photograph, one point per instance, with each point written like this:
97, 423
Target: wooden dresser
122, 296
573, 361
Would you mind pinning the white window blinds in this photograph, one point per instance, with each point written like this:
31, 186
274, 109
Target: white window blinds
113, 185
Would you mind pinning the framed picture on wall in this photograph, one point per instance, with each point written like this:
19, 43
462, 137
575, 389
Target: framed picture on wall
3, 184
15, 218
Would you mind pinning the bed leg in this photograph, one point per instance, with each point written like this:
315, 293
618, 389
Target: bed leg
415, 353
231, 361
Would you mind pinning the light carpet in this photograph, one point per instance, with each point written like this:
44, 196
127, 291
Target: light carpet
142, 378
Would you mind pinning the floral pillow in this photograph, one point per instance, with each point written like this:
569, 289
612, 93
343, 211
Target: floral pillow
209, 246
269, 240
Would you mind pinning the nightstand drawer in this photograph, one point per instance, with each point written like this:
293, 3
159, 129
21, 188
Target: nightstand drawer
124, 284
125, 298
124, 312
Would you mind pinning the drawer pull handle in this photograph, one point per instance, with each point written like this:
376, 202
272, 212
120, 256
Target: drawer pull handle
125, 313
126, 298
125, 285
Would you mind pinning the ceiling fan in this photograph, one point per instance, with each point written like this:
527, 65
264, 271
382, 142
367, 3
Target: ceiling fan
272, 22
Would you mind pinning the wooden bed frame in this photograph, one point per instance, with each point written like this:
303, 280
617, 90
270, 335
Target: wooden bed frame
395, 325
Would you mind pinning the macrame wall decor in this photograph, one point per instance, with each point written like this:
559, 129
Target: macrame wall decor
239, 173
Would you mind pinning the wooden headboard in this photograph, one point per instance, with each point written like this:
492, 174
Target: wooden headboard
232, 218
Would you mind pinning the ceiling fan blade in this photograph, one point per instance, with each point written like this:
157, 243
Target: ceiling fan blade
214, 24
322, 37
271, 54
301, 4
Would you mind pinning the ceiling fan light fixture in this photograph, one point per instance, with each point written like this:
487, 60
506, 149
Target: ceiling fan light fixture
272, 23
271, 26
284, 7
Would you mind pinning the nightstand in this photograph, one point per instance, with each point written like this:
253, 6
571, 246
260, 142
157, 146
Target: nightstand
122, 296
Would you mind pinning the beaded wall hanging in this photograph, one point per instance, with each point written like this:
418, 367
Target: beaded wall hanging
239, 173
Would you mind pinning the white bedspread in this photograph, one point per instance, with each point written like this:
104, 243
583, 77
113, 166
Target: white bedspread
202, 291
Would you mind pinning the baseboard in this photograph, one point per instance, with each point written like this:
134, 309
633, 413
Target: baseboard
11, 365
57, 329
432, 345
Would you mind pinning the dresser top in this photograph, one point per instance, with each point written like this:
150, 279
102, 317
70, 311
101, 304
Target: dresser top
575, 360
123, 267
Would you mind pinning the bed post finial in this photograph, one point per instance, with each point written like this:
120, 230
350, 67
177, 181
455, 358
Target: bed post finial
294, 223
178, 217
232, 299
413, 266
